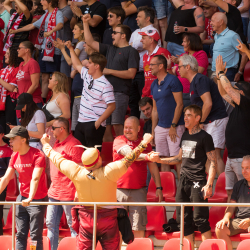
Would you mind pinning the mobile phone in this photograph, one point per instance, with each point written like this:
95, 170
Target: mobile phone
202, 194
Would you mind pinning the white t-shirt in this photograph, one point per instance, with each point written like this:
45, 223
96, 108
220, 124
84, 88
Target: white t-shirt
245, 14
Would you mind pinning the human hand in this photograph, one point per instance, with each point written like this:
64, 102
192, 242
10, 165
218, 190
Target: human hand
75, 9
97, 124
153, 156
242, 47
244, 224
26, 202
11, 126
147, 138
208, 191
237, 77
12, 31
173, 134
45, 139
159, 195
179, 29
47, 34
59, 44
220, 66
175, 59
86, 18
68, 44
220, 224
169, 62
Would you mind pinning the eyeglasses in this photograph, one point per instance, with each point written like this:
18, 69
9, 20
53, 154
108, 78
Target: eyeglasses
91, 84
152, 64
115, 32
53, 128
21, 48
110, 16
182, 66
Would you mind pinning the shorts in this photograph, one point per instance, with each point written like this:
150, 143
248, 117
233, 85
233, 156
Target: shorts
137, 214
233, 172
49, 67
161, 7
188, 191
164, 145
234, 228
121, 106
217, 130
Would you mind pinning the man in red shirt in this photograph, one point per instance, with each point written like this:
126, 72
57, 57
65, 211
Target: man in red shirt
150, 43
30, 164
61, 188
131, 187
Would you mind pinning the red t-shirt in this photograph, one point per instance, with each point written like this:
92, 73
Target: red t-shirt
149, 78
34, 33
24, 81
62, 188
24, 165
136, 176
209, 29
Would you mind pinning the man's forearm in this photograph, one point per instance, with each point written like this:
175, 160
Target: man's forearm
244, 60
212, 168
75, 60
124, 74
177, 113
33, 188
26, 28
58, 27
153, 168
205, 111
171, 160
3, 184
208, 41
87, 34
154, 120
109, 110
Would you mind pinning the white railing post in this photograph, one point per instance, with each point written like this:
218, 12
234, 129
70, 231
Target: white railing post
94, 227
13, 225
182, 226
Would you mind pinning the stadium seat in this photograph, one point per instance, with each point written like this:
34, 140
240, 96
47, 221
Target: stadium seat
67, 243
6, 242
244, 245
220, 193
107, 153
247, 72
141, 244
12, 190
244, 236
46, 243
175, 244
169, 188
213, 244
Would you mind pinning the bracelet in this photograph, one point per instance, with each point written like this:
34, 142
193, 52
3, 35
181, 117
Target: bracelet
146, 157
218, 78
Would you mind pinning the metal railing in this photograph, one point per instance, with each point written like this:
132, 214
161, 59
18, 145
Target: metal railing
101, 204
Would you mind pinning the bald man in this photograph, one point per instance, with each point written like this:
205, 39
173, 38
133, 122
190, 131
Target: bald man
225, 45
131, 187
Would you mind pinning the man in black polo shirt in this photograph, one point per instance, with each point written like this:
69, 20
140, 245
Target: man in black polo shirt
241, 194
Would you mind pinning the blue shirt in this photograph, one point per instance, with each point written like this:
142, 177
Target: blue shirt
199, 86
59, 19
225, 45
164, 98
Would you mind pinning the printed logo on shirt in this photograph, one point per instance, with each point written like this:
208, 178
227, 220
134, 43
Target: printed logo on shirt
196, 184
23, 165
20, 74
188, 149
1, 152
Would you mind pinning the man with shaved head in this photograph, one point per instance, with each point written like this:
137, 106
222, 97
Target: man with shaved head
131, 187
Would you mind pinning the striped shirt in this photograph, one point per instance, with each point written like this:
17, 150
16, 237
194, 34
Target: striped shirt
94, 101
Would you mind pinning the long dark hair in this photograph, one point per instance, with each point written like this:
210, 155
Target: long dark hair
195, 43
26, 116
39, 10
14, 60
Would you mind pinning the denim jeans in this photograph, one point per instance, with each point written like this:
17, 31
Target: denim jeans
54, 214
208, 48
29, 218
245, 21
230, 74
175, 49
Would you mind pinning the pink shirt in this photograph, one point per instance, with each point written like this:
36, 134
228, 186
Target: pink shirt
202, 60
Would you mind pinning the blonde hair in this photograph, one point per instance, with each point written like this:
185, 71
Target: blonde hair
81, 37
63, 84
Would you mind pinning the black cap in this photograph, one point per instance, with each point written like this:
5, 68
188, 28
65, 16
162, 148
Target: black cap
244, 86
1, 129
23, 99
18, 131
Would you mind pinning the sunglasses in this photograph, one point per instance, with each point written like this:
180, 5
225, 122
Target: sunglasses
53, 128
110, 15
115, 32
91, 84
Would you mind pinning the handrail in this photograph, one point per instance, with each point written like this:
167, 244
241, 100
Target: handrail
96, 204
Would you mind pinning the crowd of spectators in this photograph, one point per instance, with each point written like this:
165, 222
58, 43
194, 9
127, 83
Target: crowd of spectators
74, 70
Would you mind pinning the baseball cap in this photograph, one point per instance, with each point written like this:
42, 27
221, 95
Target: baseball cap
18, 131
23, 99
1, 129
152, 33
244, 86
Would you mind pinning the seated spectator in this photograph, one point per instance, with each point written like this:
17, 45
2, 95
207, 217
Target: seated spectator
167, 114
131, 9
32, 118
241, 223
8, 83
192, 45
186, 18
62, 188
49, 25
122, 65
5, 155
131, 187
116, 15
230, 54
146, 106
204, 93
97, 12
4, 15
30, 164
20, 17
207, 36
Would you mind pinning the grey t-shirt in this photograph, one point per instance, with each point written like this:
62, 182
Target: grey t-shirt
59, 19
65, 33
39, 117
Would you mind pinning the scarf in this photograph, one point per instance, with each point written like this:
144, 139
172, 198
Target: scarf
49, 46
3, 92
10, 37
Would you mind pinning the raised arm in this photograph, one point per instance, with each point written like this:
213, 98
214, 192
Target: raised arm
7, 5
60, 45
24, 8
129, 8
243, 48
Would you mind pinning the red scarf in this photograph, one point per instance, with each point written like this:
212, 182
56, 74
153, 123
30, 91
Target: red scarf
3, 92
49, 46
10, 37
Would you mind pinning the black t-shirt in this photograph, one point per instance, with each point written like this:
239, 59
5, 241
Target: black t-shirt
194, 148
238, 130
120, 59
107, 37
131, 19
147, 128
202, 84
241, 194
21, 36
96, 9
234, 21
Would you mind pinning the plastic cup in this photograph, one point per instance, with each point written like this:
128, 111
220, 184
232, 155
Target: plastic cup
33, 244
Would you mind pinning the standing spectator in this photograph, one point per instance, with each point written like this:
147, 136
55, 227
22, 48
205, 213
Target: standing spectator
30, 164
131, 9
116, 15
204, 93
145, 19
186, 18
4, 15
20, 17
62, 188
244, 11
237, 133
131, 187
32, 118
167, 115
97, 12
5, 155
97, 100
196, 148
122, 65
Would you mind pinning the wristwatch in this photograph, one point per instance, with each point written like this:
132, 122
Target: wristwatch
186, 29
159, 188
221, 72
174, 125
